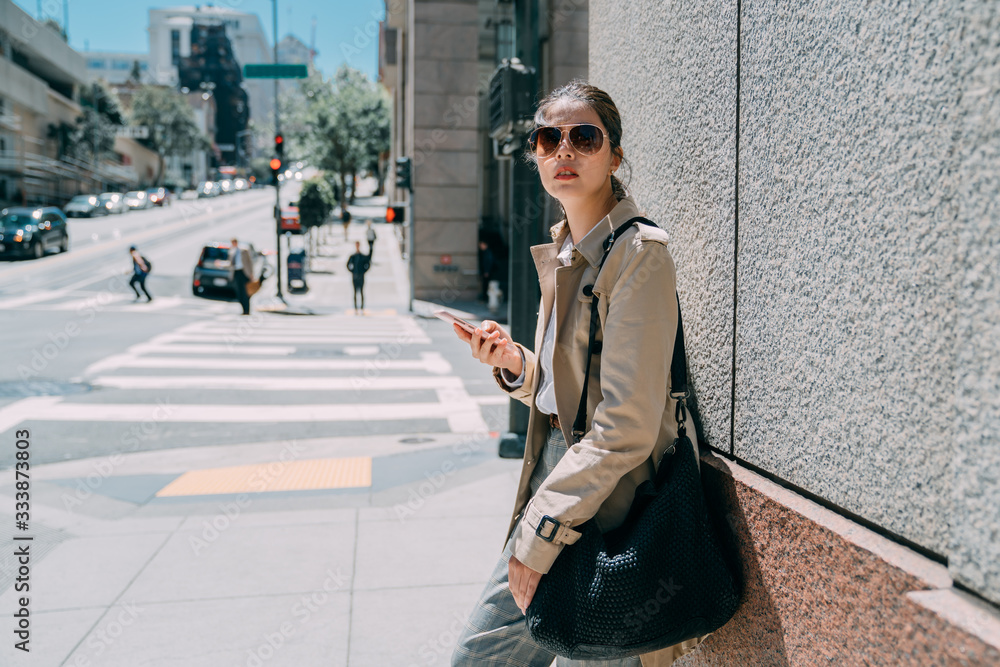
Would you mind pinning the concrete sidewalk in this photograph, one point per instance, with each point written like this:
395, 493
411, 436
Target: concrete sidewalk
377, 571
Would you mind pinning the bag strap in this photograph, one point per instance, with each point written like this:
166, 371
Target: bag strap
678, 364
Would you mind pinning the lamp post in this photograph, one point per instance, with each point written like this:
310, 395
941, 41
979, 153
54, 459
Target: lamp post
277, 132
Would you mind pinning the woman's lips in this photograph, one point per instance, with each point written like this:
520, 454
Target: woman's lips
565, 176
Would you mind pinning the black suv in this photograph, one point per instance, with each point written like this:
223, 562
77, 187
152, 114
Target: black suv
212, 277
31, 232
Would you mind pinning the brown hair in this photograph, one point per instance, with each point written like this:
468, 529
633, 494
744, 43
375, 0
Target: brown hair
602, 104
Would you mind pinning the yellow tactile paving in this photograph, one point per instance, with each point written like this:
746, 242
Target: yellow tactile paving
274, 476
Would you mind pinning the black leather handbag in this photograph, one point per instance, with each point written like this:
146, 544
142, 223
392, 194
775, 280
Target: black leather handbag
658, 579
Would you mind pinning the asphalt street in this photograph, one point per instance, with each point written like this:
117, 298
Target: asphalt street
197, 476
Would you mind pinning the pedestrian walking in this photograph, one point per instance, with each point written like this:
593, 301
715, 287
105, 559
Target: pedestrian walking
629, 419
358, 264
345, 218
141, 268
370, 235
241, 270
485, 269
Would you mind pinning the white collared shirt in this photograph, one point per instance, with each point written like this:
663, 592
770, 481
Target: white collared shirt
545, 399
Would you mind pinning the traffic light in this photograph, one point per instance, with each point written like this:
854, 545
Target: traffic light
404, 173
275, 168
395, 214
279, 146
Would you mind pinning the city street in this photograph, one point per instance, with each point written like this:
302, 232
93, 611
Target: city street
189, 464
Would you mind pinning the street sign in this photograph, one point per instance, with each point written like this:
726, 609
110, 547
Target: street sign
279, 71
133, 132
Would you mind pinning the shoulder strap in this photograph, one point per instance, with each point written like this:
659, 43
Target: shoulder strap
678, 364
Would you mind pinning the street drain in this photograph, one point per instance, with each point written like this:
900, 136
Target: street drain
42, 388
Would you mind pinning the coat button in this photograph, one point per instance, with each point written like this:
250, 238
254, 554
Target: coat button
588, 290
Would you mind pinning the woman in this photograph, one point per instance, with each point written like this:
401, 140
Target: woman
576, 145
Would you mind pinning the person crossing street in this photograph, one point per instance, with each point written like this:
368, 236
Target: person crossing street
242, 273
140, 269
358, 264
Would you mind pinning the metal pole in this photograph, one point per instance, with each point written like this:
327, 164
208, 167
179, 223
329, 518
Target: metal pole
277, 183
409, 241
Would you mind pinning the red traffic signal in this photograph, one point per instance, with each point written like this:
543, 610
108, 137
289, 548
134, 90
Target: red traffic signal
278, 139
275, 164
395, 214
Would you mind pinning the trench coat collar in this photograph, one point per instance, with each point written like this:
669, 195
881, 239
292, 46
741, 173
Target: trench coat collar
591, 247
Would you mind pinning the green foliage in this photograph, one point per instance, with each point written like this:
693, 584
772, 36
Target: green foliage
340, 124
172, 128
92, 136
316, 201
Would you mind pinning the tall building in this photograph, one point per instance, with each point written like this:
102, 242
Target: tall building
39, 99
170, 40
436, 59
292, 50
116, 67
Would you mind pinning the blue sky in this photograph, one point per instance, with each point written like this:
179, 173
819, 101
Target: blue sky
343, 27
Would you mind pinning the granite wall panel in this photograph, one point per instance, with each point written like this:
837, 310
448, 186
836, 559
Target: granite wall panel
672, 74
846, 255
974, 549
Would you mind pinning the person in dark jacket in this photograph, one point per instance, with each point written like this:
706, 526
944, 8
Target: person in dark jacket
358, 264
140, 269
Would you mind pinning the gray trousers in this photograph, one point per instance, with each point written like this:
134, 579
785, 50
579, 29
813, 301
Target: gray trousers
496, 633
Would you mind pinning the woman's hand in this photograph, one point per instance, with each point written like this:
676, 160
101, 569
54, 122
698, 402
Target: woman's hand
491, 344
523, 582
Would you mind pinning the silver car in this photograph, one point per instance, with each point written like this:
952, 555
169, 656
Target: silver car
85, 206
138, 199
114, 202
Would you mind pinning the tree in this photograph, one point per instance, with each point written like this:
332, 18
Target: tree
316, 201
172, 128
91, 137
341, 124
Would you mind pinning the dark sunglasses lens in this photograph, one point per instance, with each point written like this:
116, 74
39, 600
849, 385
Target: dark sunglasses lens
544, 140
586, 139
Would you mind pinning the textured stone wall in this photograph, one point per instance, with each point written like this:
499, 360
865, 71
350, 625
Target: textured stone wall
974, 550
671, 69
855, 247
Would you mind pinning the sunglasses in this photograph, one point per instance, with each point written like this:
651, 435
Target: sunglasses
586, 139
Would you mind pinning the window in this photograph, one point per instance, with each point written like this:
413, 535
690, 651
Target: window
121, 65
175, 47
96, 64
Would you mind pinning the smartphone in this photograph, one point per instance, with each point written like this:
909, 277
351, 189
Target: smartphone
453, 319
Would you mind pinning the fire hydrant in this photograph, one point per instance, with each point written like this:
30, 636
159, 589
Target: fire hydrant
494, 295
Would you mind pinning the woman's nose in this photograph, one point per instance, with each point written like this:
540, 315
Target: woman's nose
564, 149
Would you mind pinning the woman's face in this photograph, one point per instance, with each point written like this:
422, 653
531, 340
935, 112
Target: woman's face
568, 175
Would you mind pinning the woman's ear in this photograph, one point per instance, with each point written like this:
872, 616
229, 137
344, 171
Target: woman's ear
616, 158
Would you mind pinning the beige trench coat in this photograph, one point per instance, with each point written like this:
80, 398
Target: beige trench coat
629, 405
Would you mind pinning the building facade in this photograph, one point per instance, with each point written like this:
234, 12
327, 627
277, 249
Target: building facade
117, 67
436, 60
170, 40
42, 77
828, 178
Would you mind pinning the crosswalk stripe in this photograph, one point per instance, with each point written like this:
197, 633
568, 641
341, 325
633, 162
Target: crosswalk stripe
463, 417
154, 348
235, 382
431, 362
401, 339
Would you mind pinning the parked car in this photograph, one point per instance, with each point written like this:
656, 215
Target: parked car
114, 202
159, 196
137, 199
212, 278
209, 189
85, 206
226, 186
290, 221
31, 232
